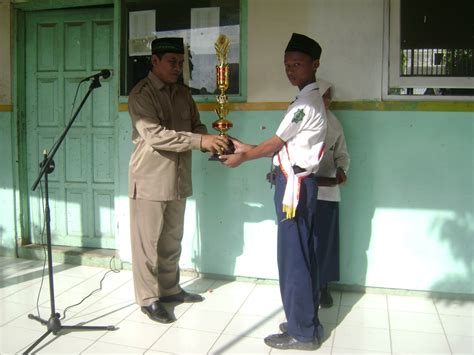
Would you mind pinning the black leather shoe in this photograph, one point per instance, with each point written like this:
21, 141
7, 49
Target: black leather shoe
284, 327
182, 297
325, 300
157, 313
285, 341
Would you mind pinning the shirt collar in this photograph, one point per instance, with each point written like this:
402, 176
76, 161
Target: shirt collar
307, 89
158, 84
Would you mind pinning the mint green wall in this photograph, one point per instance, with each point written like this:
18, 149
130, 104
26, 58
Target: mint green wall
407, 216
7, 195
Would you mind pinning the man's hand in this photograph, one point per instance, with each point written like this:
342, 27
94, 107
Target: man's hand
214, 143
232, 160
340, 176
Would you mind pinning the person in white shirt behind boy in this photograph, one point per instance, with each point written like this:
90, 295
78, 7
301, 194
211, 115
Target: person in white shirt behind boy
334, 163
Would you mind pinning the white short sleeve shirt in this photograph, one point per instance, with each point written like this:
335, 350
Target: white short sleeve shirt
304, 129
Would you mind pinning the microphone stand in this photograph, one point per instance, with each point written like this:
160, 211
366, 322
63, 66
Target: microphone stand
53, 324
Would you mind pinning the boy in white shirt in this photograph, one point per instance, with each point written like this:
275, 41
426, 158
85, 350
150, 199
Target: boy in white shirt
297, 148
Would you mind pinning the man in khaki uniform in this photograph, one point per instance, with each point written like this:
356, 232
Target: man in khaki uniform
166, 127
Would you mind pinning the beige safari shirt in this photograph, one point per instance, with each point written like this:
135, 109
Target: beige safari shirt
165, 123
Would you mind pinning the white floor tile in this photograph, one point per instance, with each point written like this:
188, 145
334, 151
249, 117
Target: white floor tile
10, 310
62, 344
124, 292
234, 317
363, 317
111, 281
135, 334
11, 289
336, 297
82, 271
205, 320
417, 322
406, 342
182, 341
340, 351
458, 325
12, 343
265, 291
359, 300
328, 336
102, 348
323, 350
455, 308
231, 344
29, 296
362, 338
260, 304
75, 301
221, 302
25, 322
328, 315
153, 352
411, 304
108, 306
252, 326
241, 289
198, 285
461, 344
91, 321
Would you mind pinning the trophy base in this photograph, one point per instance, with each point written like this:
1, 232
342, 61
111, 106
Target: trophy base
214, 157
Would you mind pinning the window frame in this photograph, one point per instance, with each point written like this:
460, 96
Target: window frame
392, 77
242, 96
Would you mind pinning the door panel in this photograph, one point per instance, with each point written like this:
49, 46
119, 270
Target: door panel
63, 47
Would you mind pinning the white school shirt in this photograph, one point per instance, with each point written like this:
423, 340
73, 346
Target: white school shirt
336, 156
304, 129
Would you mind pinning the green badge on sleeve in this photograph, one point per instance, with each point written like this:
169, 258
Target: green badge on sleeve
299, 114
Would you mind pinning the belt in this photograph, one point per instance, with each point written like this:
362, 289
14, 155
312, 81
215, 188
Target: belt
296, 170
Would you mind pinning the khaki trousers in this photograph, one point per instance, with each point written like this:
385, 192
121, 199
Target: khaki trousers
156, 230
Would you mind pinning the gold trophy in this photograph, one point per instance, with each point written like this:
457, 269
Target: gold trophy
222, 124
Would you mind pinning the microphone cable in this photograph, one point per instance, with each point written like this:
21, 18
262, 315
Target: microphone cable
111, 270
43, 244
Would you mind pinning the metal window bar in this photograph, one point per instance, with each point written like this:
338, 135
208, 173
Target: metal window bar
449, 62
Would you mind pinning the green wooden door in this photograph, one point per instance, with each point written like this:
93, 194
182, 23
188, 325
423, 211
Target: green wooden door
63, 47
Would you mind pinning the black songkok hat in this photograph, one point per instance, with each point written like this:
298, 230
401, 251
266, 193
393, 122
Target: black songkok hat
302, 43
167, 45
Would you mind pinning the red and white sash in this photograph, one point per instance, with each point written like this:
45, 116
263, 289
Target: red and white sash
293, 183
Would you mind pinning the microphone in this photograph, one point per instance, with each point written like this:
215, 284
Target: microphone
104, 73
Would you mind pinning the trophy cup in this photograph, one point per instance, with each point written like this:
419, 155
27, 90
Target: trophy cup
222, 124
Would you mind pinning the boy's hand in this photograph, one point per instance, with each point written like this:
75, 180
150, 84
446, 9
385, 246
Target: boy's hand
239, 146
341, 177
232, 160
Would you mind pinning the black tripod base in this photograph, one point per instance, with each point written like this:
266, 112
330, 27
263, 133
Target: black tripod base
54, 326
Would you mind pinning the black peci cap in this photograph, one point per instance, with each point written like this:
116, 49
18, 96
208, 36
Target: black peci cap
302, 43
167, 45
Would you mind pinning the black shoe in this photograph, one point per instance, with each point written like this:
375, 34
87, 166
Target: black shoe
157, 313
325, 300
284, 327
182, 297
285, 341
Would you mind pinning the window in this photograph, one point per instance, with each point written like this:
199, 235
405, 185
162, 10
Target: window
431, 47
199, 23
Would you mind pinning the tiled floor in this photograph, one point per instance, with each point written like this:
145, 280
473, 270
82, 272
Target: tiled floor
234, 318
